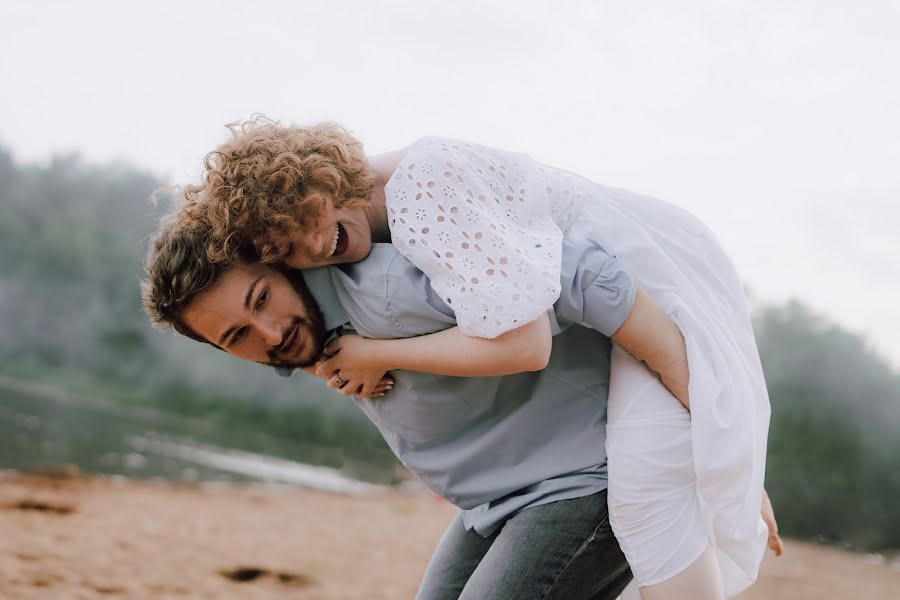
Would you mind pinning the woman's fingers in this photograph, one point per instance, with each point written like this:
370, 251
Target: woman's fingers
333, 347
335, 383
357, 387
370, 389
350, 388
379, 390
326, 368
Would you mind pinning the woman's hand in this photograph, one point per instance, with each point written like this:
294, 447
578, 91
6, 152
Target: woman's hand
354, 368
768, 515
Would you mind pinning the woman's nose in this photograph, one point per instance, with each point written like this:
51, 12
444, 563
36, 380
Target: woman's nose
306, 251
317, 245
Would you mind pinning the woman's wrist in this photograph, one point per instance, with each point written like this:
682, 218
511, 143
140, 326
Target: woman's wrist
384, 355
409, 354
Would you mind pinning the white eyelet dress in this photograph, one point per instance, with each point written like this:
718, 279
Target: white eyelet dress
487, 227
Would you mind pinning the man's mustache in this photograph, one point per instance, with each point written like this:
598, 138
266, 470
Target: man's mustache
289, 330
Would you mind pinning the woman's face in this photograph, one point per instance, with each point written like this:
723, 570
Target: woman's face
339, 236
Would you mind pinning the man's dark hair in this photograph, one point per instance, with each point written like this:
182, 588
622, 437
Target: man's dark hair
177, 268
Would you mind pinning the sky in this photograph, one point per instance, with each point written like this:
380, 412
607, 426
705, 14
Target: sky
777, 123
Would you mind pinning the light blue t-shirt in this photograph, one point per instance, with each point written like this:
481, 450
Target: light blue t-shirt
490, 445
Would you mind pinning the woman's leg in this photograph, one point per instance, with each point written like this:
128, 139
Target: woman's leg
654, 508
701, 581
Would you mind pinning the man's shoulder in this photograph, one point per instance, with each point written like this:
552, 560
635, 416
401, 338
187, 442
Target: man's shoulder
390, 297
409, 297
367, 276
384, 265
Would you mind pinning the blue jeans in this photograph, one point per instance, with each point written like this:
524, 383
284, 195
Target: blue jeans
561, 550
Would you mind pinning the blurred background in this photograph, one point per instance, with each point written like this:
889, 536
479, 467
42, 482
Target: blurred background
776, 123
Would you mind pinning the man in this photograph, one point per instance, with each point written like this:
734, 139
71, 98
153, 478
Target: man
493, 446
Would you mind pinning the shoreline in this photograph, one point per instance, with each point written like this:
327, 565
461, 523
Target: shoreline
67, 535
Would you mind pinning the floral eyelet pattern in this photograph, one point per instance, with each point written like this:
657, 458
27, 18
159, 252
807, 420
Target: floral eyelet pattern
480, 223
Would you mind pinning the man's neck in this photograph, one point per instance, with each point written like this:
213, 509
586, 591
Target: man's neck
321, 286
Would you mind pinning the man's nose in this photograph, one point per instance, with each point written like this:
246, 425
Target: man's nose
270, 331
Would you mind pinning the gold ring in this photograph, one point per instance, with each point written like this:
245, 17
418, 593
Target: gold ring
339, 381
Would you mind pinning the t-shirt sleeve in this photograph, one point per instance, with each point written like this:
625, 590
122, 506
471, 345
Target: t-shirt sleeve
598, 289
412, 304
477, 222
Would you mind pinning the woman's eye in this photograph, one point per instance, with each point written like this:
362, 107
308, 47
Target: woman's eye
261, 301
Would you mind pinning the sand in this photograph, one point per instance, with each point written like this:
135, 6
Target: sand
80, 537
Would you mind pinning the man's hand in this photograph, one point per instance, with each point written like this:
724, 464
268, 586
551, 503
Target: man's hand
353, 367
768, 515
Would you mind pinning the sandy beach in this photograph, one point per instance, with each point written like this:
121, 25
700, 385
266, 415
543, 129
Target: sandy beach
81, 537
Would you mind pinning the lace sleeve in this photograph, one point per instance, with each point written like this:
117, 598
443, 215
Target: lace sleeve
477, 222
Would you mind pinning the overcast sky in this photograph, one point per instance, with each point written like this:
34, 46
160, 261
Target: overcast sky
778, 123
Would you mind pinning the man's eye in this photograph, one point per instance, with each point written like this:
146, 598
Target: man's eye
263, 298
238, 336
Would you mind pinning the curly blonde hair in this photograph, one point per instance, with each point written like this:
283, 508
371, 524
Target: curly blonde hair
268, 183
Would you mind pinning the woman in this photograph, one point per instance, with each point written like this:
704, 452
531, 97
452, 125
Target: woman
487, 227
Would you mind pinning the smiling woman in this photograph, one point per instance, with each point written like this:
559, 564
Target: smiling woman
337, 235
315, 179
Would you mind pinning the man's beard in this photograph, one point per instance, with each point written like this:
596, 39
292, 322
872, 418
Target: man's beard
312, 327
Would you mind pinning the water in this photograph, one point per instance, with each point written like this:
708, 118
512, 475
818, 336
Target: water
42, 426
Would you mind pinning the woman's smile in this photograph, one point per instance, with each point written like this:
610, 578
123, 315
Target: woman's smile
339, 242
344, 237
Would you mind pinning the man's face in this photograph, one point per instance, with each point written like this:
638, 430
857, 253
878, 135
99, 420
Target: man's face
254, 312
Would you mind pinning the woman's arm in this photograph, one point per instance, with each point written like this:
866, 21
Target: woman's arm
652, 337
451, 352
361, 362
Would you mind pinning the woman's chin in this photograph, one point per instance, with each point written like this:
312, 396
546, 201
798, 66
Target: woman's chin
355, 252
361, 252
295, 265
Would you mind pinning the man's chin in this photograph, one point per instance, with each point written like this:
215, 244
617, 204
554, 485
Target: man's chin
307, 360
293, 364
